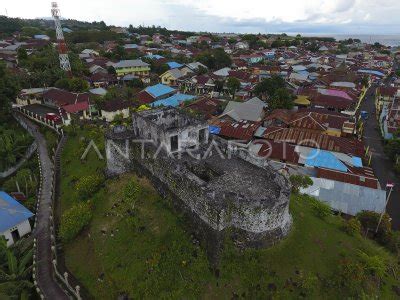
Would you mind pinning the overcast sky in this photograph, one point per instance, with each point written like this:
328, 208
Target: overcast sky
303, 16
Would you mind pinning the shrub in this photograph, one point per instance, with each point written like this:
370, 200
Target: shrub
369, 220
374, 265
351, 276
300, 181
308, 283
131, 191
74, 220
321, 209
353, 227
88, 185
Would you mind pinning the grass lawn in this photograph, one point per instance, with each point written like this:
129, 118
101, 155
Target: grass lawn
145, 252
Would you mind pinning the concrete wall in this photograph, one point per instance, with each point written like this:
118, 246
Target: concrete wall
188, 136
110, 115
23, 229
253, 223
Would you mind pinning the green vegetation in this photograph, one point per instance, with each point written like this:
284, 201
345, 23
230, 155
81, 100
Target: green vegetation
214, 59
75, 84
369, 221
353, 227
233, 85
9, 88
16, 271
137, 245
299, 181
14, 142
74, 220
43, 68
275, 92
27, 180
88, 185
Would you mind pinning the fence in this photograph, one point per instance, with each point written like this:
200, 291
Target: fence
40, 119
61, 279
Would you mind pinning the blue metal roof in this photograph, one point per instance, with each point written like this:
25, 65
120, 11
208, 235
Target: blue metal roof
154, 56
174, 100
12, 212
214, 129
174, 65
159, 90
324, 159
357, 161
373, 72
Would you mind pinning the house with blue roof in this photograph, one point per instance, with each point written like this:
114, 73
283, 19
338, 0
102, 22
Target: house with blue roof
14, 219
371, 72
155, 92
174, 100
324, 159
174, 65
154, 56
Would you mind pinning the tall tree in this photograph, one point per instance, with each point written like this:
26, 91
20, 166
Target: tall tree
233, 85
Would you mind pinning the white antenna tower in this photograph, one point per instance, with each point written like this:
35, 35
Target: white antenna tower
62, 46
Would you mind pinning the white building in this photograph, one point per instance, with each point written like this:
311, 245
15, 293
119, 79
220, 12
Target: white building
14, 219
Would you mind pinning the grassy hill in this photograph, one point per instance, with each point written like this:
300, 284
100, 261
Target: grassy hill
140, 248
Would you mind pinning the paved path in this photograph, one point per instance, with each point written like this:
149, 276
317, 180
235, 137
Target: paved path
382, 165
45, 272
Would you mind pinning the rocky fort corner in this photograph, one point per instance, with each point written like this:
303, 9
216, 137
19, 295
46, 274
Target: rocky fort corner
216, 193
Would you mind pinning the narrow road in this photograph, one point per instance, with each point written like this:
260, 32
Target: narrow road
45, 272
382, 165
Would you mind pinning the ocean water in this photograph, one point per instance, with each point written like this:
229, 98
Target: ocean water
387, 40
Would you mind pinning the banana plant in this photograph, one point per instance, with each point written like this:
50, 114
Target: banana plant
15, 273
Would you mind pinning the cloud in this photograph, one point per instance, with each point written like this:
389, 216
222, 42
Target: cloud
356, 16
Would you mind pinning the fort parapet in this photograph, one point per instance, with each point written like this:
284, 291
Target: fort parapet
218, 193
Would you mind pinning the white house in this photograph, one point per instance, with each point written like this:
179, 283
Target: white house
115, 107
14, 219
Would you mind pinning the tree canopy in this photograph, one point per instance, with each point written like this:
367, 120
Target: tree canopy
214, 59
275, 92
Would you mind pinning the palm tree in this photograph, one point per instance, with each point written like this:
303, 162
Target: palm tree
15, 272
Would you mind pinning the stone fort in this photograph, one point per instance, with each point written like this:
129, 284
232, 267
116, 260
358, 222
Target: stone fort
218, 192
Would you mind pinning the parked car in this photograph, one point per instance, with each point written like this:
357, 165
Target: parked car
52, 117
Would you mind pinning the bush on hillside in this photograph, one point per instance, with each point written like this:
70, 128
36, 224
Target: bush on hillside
321, 209
369, 221
299, 181
352, 227
74, 220
88, 185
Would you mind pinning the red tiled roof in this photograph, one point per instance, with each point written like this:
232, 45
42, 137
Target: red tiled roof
144, 97
242, 130
352, 178
387, 91
102, 77
278, 151
331, 101
209, 107
115, 105
313, 138
309, 119
76, 107
62, 98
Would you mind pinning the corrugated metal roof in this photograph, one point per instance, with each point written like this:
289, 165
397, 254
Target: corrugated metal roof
130, 63
174, 100
12, 212
324, 159
174, 65
159, 90
347, 198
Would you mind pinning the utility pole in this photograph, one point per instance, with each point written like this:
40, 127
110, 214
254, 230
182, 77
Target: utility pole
62, 46
391, 185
